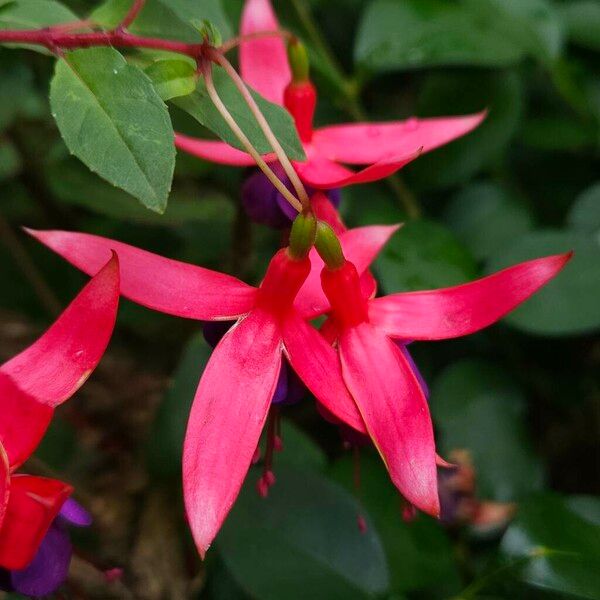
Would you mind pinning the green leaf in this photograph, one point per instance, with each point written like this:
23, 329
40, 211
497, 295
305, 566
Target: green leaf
200, 106
10, 160
533, 25
165, 18
33, 14
587, 507
113, 120
561, 550
424, 255
567, 305
485, 216
370, 204
165, 447
418, 554
585, 212
72, 184
404, 34
582, 20
301, 542
299, 450
172, 78
455, 93
558, 133
476, 406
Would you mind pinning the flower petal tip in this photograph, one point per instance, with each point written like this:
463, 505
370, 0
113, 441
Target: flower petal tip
567, 256
29, 231
444, 464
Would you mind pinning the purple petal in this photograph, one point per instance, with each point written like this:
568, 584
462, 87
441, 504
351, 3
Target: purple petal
264, 204
290, 388
48, 569
449, 498
403, 348
72, 513
296, 390
335, 196
281, 389
286, 208
213, 331
261, 200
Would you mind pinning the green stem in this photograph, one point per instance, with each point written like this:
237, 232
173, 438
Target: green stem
352, 103
314, 33
250, 149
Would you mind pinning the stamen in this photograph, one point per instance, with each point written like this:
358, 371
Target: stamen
362, 524
360, 519
278, 441
409, 512
267, 478
114, 574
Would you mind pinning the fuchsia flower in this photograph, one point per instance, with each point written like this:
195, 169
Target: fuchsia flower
385, 147
371, 386
34, 552
239, 382
389, 398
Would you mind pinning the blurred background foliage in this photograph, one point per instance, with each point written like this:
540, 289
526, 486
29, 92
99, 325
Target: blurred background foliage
522, 397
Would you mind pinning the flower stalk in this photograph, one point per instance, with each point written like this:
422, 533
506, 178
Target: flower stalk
132, 14
219, 59
227, 116
54, 38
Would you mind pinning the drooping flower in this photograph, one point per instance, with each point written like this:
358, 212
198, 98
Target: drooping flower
384, 147
238, 384
49, 568
389, 397
34, 548
459, 502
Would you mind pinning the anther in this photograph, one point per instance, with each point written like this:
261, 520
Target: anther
362, 523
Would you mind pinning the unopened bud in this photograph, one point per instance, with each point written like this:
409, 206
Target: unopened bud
209, 31
328, 246
298, 58
302, 236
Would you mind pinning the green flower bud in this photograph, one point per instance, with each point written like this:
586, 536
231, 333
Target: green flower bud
328, 246
299, 63
302, 236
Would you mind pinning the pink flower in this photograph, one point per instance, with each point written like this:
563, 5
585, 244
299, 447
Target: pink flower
389, 398
235, 393
385, 147
32, 385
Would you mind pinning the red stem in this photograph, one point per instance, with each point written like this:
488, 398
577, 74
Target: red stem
134, 11
54, 40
